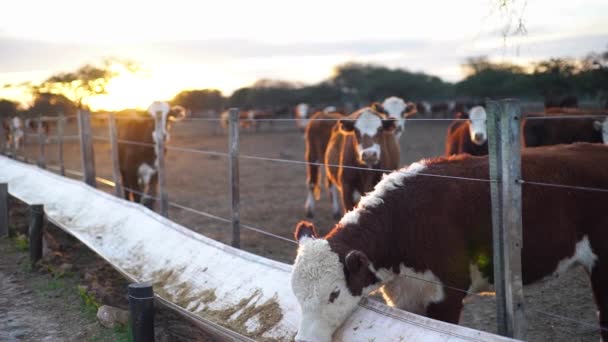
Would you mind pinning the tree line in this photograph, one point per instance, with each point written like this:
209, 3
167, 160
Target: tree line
352, 83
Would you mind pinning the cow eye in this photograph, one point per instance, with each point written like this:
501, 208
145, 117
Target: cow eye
334, 295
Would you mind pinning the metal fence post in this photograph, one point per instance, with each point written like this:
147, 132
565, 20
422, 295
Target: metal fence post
35, 232
141, 309
114, 150
160, 168
233, 148
3, 209
86, 147
504, 119
60, 129
13, 142
41, 143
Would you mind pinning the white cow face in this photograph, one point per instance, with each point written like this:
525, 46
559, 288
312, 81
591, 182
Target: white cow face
602, 126
398, 109
477, 125
369, 126
302, 115
319, 283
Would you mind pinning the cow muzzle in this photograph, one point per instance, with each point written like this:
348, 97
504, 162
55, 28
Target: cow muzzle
370, 156
479, 138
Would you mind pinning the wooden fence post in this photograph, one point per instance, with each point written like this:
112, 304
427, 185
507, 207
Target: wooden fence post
233, 148
41, 143
86, 147
3, 209
114, 150
3, 137
60, 129
35, 232
159, 138
504, 118
13, 142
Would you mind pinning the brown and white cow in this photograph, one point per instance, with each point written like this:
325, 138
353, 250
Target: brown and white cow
468, 136
396, 240
397, 108
361, 144
302, 112
14, 130
317, 134
138, 163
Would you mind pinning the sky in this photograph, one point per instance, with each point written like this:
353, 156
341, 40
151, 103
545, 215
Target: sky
229, 44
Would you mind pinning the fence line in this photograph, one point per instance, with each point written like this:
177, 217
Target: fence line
260, 231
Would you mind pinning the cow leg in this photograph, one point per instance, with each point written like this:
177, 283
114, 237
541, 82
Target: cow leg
313, 175
347, 198
599, 284
448, 310
335, 201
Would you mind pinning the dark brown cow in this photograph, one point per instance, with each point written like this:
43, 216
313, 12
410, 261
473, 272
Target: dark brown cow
317, 135
468, 136
396, 241
138, 163
366, 140
549, 130
567, 101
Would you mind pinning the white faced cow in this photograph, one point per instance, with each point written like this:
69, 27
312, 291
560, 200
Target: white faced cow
14, 128
602, 126
302, 113
139, 163
469, 136
396, 108
396, 241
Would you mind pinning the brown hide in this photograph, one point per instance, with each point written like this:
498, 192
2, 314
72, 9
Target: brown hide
317, 134
542, 132
341, 153
444, 225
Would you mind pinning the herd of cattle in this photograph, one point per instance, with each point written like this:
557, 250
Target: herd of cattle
412, 237
417, 238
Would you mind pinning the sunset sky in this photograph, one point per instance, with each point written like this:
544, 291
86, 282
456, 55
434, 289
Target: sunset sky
228, 44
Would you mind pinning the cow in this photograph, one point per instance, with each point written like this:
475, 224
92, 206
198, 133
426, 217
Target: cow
424, 107
138, 163
32, 125
302, 112
14, 131
567, 101
317, 134
468, 136
398, 109
395, 241
361, 146
547, 130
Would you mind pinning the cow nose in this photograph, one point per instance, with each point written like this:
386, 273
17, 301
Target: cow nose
478, 136
370, 155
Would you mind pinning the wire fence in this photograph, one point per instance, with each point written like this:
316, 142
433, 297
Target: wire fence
301, 162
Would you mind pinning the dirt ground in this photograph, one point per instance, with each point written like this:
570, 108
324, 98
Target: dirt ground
272, 199
57, 299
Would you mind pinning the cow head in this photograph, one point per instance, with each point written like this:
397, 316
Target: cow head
368, 126
327, 289
602, 126
302, 114
477, 125
398, 109
147, 179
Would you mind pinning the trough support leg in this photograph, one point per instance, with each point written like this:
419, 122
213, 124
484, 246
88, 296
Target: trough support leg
3, 209
141, 308
35, 232
233, 148
504, 119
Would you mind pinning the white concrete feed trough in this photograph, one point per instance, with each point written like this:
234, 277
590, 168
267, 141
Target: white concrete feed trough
226, 288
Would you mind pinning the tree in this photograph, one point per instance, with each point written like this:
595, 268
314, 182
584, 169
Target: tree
50, 104
200, 100
7, 108
88, 80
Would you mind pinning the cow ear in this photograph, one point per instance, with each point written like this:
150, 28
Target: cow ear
597, 125
389, 125
177, 113
379, 108
305, 230
410, 110
347, 125
358, 275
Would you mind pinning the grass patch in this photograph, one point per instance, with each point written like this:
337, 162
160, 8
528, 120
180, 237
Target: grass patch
21, 242
90, 305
